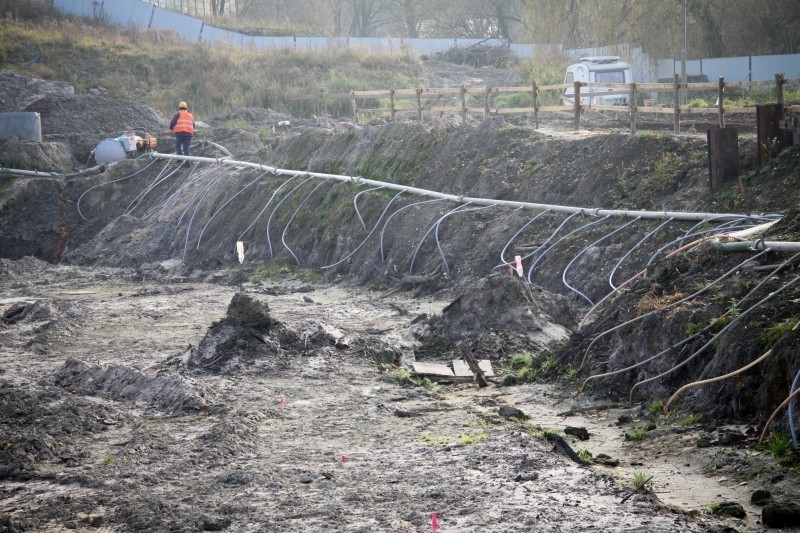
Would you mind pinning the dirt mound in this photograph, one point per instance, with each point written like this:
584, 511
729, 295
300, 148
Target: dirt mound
23, 267
249, 339
172, 395
504, 315
44, 426
96, 116
42, 156
18, 91
41, 321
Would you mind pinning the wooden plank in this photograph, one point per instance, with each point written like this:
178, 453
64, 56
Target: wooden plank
510, 110
370, 94
445, 109
511, 89
432, 369
657, 110
461, 368
619, 108
547, 108
667, 87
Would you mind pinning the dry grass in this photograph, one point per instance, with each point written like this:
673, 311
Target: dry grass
650, 302
159, 69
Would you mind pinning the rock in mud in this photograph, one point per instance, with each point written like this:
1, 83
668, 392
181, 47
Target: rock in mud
506, 411
730, 509
579, 432
781, 514
761, 497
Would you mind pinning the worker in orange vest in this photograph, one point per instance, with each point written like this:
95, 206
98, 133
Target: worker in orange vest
182, 125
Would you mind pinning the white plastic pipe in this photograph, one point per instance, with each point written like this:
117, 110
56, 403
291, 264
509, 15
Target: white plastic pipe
677, 215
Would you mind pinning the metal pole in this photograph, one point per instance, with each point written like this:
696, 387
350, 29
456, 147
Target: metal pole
683, 51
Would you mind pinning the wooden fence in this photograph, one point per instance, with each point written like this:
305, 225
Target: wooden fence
440, 100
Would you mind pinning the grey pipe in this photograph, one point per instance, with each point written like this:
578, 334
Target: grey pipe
677, 215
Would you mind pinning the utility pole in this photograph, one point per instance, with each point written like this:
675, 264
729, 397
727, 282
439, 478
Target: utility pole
684, 79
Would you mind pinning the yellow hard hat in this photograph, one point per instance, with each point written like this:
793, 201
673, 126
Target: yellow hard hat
182, 105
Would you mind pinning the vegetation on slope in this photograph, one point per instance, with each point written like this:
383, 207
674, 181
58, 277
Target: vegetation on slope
159, 69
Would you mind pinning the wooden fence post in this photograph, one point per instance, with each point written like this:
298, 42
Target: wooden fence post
419, 104
324, 102
676, 103
720, 104
392, 109
535, 100
487, 94
779, 92
632, 105
353, 104
463, 104
577, 105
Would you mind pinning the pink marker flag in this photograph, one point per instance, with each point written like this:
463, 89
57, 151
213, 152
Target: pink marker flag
343, 458
518, 260
435, 521
282, 402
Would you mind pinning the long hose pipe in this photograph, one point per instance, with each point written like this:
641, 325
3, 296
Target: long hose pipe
595, 243
78, 203
777, 410
724, 330
539, 259
266, 205
726, 376
275, 210
213, 216
792, 390
670, 305
364, 241
546, 242
503, 262
355, 205
633, 249
698, 333
390, 217
436, 234
286, 228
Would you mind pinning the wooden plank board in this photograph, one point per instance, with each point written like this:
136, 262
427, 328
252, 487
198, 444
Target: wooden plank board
432, 369
461, 368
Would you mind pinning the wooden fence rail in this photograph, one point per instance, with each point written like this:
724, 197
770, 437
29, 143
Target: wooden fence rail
455, 100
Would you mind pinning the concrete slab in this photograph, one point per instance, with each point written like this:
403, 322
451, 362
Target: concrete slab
23, 125
432, 369
461, 368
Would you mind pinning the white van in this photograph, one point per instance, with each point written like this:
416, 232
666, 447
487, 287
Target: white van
598, 69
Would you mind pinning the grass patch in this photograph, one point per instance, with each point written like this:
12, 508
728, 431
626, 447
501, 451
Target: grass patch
779, 444
471, 438
655, 408
690, 420
636, 434
640, 477
433, 441
769, 336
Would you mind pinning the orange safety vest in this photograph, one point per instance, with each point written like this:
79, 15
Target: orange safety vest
185, 123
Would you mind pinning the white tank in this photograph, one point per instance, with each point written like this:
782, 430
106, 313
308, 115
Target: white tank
109, 151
